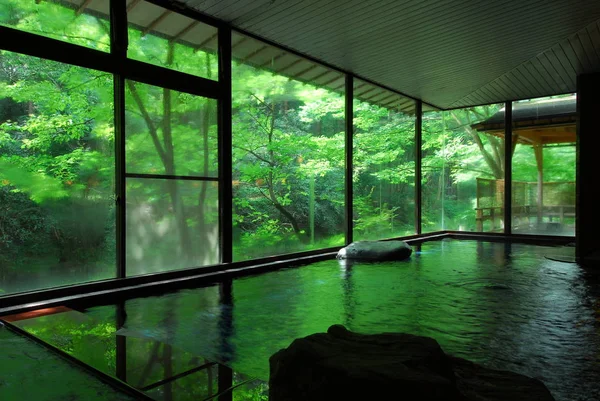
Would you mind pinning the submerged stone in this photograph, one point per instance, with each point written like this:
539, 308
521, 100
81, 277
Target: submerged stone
376, 250
342, 365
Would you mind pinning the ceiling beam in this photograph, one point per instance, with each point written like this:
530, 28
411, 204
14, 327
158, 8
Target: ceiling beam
273, 60
304, 71
210, 39
131, 6
333, 80
292, 64
82, 7
254, 54
321, 75
184, 31
156, 22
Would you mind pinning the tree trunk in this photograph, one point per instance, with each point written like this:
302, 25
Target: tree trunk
165, 151
270, 183
492, 163
172, 185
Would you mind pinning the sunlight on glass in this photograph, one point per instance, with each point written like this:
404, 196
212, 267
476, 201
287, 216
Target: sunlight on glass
171, 224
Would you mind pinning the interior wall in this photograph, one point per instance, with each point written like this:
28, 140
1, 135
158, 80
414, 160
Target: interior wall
588, 142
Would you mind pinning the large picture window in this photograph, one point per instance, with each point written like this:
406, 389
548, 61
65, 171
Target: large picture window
288, 152
121, 168
543, 165
57, 207
384, 163
463, 171
172, 185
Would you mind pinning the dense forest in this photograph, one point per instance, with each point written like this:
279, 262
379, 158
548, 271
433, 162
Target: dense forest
58, 209
57, 162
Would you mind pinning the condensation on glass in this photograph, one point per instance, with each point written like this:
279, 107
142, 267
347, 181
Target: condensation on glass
462, 170
543, 165
171, 186
288, 152
384, 163
78, 22
171, 224
168, 39
57, 209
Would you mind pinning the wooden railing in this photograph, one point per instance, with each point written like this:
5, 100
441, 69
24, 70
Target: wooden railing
522, 215
556, 201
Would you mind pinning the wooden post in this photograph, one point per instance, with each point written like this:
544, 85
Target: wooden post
515, 140
562, 215
539, 158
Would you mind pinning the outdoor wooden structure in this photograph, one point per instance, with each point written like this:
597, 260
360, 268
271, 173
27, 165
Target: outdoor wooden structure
538, 124
559, 202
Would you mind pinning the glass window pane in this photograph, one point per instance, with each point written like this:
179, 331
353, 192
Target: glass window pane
171, 224
77, 21
543, 186
167, 39
57, 211
288, 152
384, 163
463, 171
170, 132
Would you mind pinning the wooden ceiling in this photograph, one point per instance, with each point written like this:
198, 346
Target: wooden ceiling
150, 18
537, 122
447, 53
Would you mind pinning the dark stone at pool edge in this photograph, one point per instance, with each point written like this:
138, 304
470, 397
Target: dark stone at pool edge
342, 365
376, 250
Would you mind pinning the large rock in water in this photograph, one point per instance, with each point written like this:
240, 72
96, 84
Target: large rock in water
376, 250
342, 365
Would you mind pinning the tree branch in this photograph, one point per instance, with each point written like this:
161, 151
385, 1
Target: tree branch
89, 80
253, 153
151, 127
486, 155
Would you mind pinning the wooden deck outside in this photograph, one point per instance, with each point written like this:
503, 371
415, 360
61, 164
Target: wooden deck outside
558, 205
523, 215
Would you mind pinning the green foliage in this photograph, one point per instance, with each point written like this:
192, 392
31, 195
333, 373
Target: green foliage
48, 19
57, 158
24, 227
56, 163
288, 139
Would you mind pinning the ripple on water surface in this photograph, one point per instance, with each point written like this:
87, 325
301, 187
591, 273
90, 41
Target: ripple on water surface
508, 306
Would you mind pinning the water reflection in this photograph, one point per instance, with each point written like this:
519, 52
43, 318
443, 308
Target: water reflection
506, 306
347, 282
226, 324
158, 369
